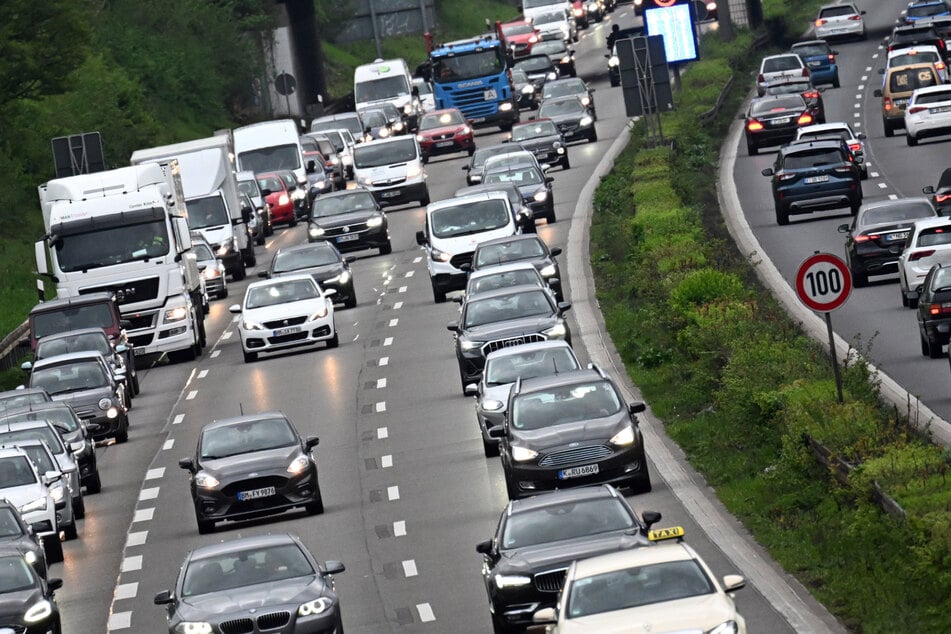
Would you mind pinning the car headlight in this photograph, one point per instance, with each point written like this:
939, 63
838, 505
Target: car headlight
466, 344
586, 121
320, 313
548, 270
225, 246
420, 138
730, 627
408, 109
565, 60
194, 627
343, 278
38, 611
465, 130
523, 454
315, 231
624, 437
511, 581
712, 6
528, 89
298, 194
206, 480
505, 106
384, 132
541, 196
398, 126
492, 405
283, 200
317, 606
30, 557
211, 272
365, 180
414, 171
558, 331
176, 314
613, 61
586, 100
39, 504
374, 221
105, 403
247, 324
58, 492
593, 7
439, 256
552, 75
298, 465
112, 412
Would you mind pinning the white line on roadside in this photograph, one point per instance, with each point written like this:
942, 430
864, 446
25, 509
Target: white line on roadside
168, 444
873, 174
399, 529
868, 69
397, 305
386, 461
417, 259
893, 197
148, 494
857, 115
857, 105
143, 515
882, 185
409, 568
409, 273
861, 86
203, 374
356, 336
393, 493
425, 612
227, 334
402, 289
864, 77
382, 432
136, 539
155, 474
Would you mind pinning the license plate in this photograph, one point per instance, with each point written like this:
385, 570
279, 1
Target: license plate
816, 179
348, 237
477, 119
286, 331
901, 103
898, 235
782, 120
578, 472
444, 144
138, 351
939, 109
490, 94
256, 493
815, 64
392, 194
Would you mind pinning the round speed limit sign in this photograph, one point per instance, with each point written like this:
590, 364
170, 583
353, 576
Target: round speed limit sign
823, 282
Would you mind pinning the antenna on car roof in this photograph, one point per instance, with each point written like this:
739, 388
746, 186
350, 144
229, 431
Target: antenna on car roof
241, 407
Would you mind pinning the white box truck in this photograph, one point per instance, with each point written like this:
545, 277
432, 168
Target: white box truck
125, 231
387, 81
210, 186
271, 146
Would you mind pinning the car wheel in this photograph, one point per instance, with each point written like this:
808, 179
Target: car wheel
438, 296
594, 137
565, 163
224, 292
911, 140
122, 435
317, 506
471, 151
260, 240
835, 81
334, 341
935, 349
424, 200
249, 356
751, 148
859, 277
864, 173
252, 259
239, 273
889, 130
854, 207
925, 349
387, 248
127, 397
550, 216
269, 228
94, 485
424, 159
70, 531
782, 216
135, 382
79, 508
53, 548
501, 627
204, 526
490, 448
293, 221
912, 302
351, 300
511, 489
904, 299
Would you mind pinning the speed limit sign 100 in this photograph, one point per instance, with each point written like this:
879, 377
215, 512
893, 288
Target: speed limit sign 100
823, 282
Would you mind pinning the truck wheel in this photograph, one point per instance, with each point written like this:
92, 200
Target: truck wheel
251, 259
239, 273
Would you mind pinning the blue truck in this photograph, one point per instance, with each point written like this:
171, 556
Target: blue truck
473, 76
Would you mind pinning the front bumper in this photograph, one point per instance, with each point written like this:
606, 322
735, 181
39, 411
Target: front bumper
841, 195
310, 333
355, 239
400, 194
459, 143
622, 466
289, 492
277, 619
500, 117
108, 427
934, 125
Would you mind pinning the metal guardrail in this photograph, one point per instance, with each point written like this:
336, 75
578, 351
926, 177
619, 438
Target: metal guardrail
14, 346
707, 116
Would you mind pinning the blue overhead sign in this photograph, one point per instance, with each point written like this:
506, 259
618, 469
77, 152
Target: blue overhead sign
676, 25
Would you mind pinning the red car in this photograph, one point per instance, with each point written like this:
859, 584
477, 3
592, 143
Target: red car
519, 37
278, 198
444, 132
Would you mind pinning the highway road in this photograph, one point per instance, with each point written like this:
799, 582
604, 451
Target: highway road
408, 492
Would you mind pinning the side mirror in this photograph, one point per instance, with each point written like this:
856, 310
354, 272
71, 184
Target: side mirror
163, 598
52, 476
234, 308
844, 228
741, 117
245, 214
732, 583
592, 90
545, 615
881, 71
92, 428
452, 326
498, 432
636, 407
187, 463
264, 274
332, 567
860, 136
768, 171
878, 92
420, 238
927, 189
311, 166
506, 139
466, 266
555, 251
465, 168
458, 298
549, 179
834, 52
118, 375
564, 307
54, 584
26, 365
485, 547
650, 518
553, 281
330, 292
125, 324
350, 259
471, 389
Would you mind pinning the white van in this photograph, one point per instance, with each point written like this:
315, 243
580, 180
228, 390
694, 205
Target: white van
392, 169
269, 146
531, 8
453, 229
387, 81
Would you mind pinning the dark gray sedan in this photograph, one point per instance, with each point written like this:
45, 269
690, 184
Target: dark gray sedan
521, 248
324, 262
573, 119
351, 219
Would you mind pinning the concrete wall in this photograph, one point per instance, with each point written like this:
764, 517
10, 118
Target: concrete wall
393, 17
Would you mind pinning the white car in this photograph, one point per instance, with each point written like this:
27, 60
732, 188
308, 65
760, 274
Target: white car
556, 24
842, 130
928, 113
426, 97
782, 66
29, 492
664, 588
839, 20
916, 55
285, 313
928, 243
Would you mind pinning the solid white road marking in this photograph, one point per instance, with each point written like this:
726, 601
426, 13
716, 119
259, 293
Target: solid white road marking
203, 374
148, 494
873, 174
425, 612
381, 383
119, 621
864, 77
893, 197
399, 529
386, 461
382, 432
178, 419
868, 69
155, 474
136, 539
409, 568
130, 564
143, 515
126, 591
393, 493
168, 444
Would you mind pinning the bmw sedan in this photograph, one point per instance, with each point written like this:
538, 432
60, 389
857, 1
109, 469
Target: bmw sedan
351, 220
266, 583
322, 261
572, 118
249, 466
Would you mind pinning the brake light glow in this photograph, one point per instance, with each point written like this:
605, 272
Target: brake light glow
760, 78
811, 94
855, 147
940, 198
831, 57
754, 125
917, 255
939, 66
938, 309
855, 17
915, 109
863, 238
805, 71
820, 22
785, 176
805, 119
887, 104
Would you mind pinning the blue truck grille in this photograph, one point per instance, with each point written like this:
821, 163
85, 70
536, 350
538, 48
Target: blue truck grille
472, 101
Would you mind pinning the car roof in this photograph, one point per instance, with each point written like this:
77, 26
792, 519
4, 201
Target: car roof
78, 300
246, 418
563, 496
446, 203
11, 451
525, 124
496, 269
631, 558
510, 239
574, 98
343, 192
282, 279
507, 290
541, 383
7, 425
400, 138
528, 347
778, 55
69, 357
20, 391
486, 187
36, 407
239, 544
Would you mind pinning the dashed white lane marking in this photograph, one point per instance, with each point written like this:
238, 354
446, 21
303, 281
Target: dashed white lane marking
409, 568
137, 538
399, 529
873, 174
133, 563
203, 374
384, 361
875, 56
382, 432
397, 305
417, 259
143, 515
861, 86
119, 621
357, 336
178, 419
215, 353
388, 342
857, 124
381, 383
227, 334
856, 105
191, 395
858, 96
402, 289
155, 474
393, 493
127, 590
234, 319
868, 69
409, 273
393, 323
882, 185
381, 407
893, 197
425, 612
168, 444
857, 115
148, 494
386, 461
864, 77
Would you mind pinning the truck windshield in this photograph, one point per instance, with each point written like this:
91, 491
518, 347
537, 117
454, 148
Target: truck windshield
380, 89
462, 66
270, 159
112, 245
206, 212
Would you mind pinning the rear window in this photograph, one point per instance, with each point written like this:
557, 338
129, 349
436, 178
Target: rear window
909, 79
916, 57
766, 106
933, 97
934, 236
811, 50
778, 64
837, 12
812, 158
926, 10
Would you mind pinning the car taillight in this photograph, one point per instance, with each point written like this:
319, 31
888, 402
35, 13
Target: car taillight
855, 17
939, 309
754, 126
811, 95
939, 66
805, 71
831, 57
863, 238
855, 147
785, 176
940, 198
887, 103
915, 109
805, 119
917, 255
820, 22
760, 78
845, 169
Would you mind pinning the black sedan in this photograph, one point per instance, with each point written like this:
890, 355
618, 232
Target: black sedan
525, 89
323, 261
560, 55
542, 138
27, 604
521, 248
524, 216
473, 168
539, 69
804, 87
941, 194
572, 118
877, 235
267, 583
352, 220
16, 535
250, 466
773, 120
535, 187
506, 317
568, 430
525, 562
571, 86
934, 311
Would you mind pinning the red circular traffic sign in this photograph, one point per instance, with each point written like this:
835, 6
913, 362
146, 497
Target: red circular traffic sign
823, 282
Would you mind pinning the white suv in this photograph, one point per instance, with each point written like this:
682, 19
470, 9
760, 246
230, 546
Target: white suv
29, 492
928, 243
782, 66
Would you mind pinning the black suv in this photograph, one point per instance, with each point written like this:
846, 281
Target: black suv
918, 35
526, 561
571, 429
809, 176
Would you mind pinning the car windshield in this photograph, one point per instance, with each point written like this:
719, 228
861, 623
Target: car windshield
85, 245
812, 158
83, 342
490, 310
560, 106
249, 187
9, 526
520, 176
228, 571
471, 65
762, 107
15, 575
336, 139
389, 153
528, 365
351, 123
502, 279
898, 212
501, 161
500, 253
534, 130
563, 88
41, 432
202, 252
565, 404
280, 292
69, 377
62, 418
519, 76
246, 437
71, 318
638, 586
781, 63
208, 211
16, 471
271, 183
565, 521
550, 47
908, 79
548, 17
788, 88
467, 218
39, 457
441, 119
480, 156
318, 255
343, 204
829, 133
534, 64
423, 87
380, 89
18, 399
517, 29
811, 49
266, 159
374, 118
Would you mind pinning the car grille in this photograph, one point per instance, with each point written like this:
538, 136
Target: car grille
231, 490
296, 336
388, 182
141, 340
86, 411
461, 258
575, 455
128, 292
550, 581
354, 228
237, 626
443, 137
472, 101
273, 620
282, 323
498, 344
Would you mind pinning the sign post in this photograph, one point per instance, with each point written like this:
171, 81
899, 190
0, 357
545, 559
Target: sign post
823, 283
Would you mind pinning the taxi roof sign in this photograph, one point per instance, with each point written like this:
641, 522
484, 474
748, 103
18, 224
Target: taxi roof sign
660, 534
